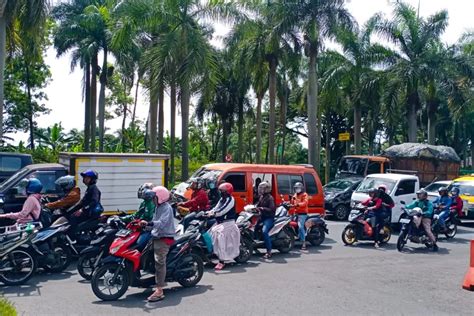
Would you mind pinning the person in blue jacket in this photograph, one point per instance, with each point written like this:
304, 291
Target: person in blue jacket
443, 205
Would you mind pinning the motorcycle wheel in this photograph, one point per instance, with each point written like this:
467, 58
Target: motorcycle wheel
401, 242
452, 229
63, 257
316, 239
17, 267
102, 282
246, 251
387, 233
290, 241
194, 262
349, 236
85, 265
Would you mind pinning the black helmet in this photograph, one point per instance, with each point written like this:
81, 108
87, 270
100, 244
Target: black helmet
142, 188
443, 189
455, 191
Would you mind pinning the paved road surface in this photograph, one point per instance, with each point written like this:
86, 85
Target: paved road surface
328, 280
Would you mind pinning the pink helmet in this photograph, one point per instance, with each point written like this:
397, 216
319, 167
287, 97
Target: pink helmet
162, 194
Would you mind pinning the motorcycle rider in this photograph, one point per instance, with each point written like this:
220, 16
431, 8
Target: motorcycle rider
163, 232
199, 200
266, 206
443, 204
427, 214
213, 193
225, 233
72, 196
387, 201
374, 213
32, 207
300, 203
457, 203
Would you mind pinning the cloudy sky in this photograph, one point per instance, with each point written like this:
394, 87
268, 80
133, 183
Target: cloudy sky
65, 91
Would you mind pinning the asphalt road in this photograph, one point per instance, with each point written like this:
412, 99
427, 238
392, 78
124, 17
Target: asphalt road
328, 280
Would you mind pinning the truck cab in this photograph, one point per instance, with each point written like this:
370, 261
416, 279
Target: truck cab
361, 166
400, 187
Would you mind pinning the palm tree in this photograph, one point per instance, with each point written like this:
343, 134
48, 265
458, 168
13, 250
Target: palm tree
317, 19
414, 36
53, 137
30, 15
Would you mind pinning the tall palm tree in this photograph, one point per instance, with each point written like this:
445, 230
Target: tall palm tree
31, 14
413, 36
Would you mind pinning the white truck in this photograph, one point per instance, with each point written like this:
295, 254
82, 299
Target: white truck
401, 187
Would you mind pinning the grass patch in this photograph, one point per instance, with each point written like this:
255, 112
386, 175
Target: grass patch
7, 308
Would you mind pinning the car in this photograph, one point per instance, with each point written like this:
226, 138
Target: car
337, 197
433, 188
400, 187
10, 163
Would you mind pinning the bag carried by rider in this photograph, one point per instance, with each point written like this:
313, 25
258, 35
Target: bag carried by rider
45, 218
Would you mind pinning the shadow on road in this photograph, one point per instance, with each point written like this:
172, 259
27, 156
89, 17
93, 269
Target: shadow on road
173, 297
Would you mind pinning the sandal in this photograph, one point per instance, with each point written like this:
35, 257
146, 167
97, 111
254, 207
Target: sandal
155, 297
219, 266
267, 255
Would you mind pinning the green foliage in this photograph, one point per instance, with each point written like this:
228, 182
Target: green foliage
7, 308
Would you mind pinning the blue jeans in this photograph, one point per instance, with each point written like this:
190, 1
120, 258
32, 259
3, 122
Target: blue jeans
143, 240
267, 226
443, 216
301, 228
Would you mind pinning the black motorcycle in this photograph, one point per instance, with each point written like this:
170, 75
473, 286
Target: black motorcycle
451, 224
409, 231
90, 257
356, 229
52, 248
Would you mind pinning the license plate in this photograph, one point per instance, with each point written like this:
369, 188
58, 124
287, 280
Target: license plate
123, 233
404, 221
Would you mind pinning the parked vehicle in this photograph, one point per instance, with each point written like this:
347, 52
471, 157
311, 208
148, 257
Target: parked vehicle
359, 229
17, 258
10, 163
281, 234
89, 258
126, 265
409, 231
337, 197
243, 177
400, 187
465, 185
433, 188
428, 162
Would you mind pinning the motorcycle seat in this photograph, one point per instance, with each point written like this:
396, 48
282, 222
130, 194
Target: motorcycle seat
182, 238
280, 219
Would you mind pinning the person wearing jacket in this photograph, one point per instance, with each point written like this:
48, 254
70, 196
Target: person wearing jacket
457, 204
225, 233
32, 207
374, 213
443, 205
426, 207
73, 195
300, 203
387, 202
89, 206
162, 232
266, 206
199, 199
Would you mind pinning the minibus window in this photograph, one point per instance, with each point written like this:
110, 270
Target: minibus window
310, 184
237, 180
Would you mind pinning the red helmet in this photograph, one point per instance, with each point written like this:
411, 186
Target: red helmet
227, 187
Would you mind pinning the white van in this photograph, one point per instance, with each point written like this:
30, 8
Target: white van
400, 187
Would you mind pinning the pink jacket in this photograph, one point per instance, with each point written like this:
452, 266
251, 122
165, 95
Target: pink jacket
30, 212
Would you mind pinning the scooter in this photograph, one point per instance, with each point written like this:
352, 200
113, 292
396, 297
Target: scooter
409, 231
359, 229
52, 249
17, 258
126, 264
451, 224
281, 234
90, 257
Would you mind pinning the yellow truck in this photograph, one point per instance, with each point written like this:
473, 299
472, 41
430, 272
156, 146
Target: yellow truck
466, 190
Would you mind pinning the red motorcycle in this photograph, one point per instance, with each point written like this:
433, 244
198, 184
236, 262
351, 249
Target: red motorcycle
128, 265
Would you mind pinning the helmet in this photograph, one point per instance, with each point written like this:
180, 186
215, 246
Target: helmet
382, 187
226, 187
211, 183
264, 187
66, 183
298, 187
443, 189
148, 194
455, 191
373, 190
199, 182
90, 174
421, 193
34, 186
161, 193
142, 188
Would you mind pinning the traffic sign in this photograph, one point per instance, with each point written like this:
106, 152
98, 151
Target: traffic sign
344, 137
228, 158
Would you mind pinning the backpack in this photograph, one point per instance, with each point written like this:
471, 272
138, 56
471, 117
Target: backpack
45, 218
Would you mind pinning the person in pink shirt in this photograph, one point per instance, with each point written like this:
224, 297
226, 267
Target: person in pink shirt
32, 207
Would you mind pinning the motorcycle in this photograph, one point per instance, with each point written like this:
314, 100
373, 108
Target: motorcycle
316, 228
451, 224
281, 234
90, 257
410, 232
51, 248
359, 228
125, 265
17, 259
